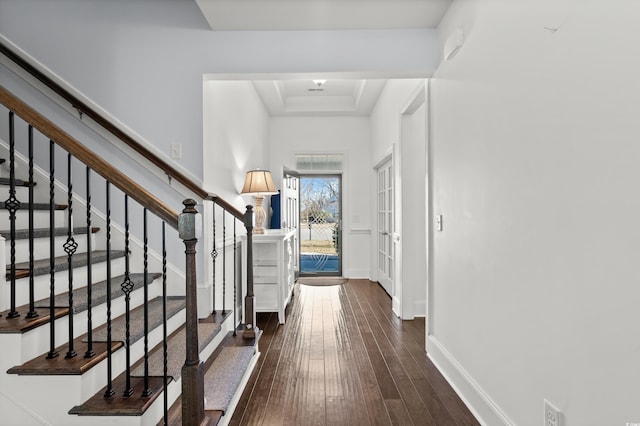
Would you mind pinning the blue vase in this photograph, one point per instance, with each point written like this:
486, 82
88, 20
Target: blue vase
275, 209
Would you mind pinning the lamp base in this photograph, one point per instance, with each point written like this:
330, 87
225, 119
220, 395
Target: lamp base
260, 215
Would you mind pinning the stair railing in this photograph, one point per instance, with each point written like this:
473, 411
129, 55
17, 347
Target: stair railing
171, 172
78, 155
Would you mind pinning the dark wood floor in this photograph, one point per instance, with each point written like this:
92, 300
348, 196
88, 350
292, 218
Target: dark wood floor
343, 358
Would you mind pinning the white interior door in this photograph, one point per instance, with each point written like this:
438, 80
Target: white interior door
290, 210
385, 226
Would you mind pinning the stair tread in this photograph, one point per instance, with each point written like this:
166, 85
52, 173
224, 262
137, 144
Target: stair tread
78, 365
97, 405
119, 405
38, 206
98, 296
23, 234
42, 266
18, 182
175, 358
175, 412
225, 375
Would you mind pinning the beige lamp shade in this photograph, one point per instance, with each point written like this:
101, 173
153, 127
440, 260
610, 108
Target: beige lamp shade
259, 182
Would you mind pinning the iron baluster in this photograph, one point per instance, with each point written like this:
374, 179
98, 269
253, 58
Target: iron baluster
70, 247
32, 306
147, 390
165, 346
109, 392
235, 279
13, 205
127, 287
224, 261
52, 253
89, 353
214, 255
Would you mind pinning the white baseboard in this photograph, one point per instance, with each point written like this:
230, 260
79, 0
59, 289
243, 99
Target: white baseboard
395, 305
486, 411
356, 274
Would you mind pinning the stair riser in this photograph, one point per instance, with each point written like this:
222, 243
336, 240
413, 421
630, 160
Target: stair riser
22, 193
40, 217
41, 247
41, 282
36, 341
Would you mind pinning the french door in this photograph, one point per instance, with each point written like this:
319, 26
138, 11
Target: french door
385, 226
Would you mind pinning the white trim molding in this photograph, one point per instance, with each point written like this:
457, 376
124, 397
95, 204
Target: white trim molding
486, 411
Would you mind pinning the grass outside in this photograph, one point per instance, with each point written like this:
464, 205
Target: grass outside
317, 246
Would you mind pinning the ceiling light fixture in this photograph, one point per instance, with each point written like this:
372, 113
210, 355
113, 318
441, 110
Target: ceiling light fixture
319, 82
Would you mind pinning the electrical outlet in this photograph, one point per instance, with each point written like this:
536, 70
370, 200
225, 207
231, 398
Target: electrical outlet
176, 151
551, 415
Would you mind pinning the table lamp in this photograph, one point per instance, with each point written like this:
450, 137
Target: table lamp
259, 183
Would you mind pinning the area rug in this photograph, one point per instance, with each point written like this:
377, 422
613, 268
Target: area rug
321, 281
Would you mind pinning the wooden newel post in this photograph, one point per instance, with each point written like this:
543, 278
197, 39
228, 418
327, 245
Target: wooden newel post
193, 369
249, 301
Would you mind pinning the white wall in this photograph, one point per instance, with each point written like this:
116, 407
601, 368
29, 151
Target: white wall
143, 61
236, 137
535, 150
350, 136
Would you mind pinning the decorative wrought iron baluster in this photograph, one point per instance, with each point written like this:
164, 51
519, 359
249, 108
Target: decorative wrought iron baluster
214, 255
127, 287
109, 392
235, 278
32, 305
224, 261
13, 205
89, 353
70, 247
165, 346
52, 255
147, 390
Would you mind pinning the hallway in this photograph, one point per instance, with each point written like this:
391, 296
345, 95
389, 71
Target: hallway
325, 368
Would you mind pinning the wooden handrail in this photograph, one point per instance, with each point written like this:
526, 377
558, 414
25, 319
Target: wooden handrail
100, 166
225, 205
117, 132
102, 121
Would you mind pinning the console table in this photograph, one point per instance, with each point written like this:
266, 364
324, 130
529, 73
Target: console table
273, 270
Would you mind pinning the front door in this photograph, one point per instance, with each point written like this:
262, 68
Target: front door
320, 230
385, 226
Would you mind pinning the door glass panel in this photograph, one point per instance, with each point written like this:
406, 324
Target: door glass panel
320, 219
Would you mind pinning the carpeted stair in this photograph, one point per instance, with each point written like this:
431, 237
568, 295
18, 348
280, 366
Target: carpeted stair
42, 266
176, 351
225, 375
98, 293
136, 320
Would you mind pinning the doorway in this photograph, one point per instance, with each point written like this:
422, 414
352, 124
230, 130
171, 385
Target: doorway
320, 225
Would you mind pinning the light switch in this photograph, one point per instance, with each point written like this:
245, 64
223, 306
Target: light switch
439, 222
176, 151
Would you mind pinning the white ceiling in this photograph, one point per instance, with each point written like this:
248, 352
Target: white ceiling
304, 97
322, 14
336, 96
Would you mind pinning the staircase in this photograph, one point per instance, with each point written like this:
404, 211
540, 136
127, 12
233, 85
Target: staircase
96, 325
